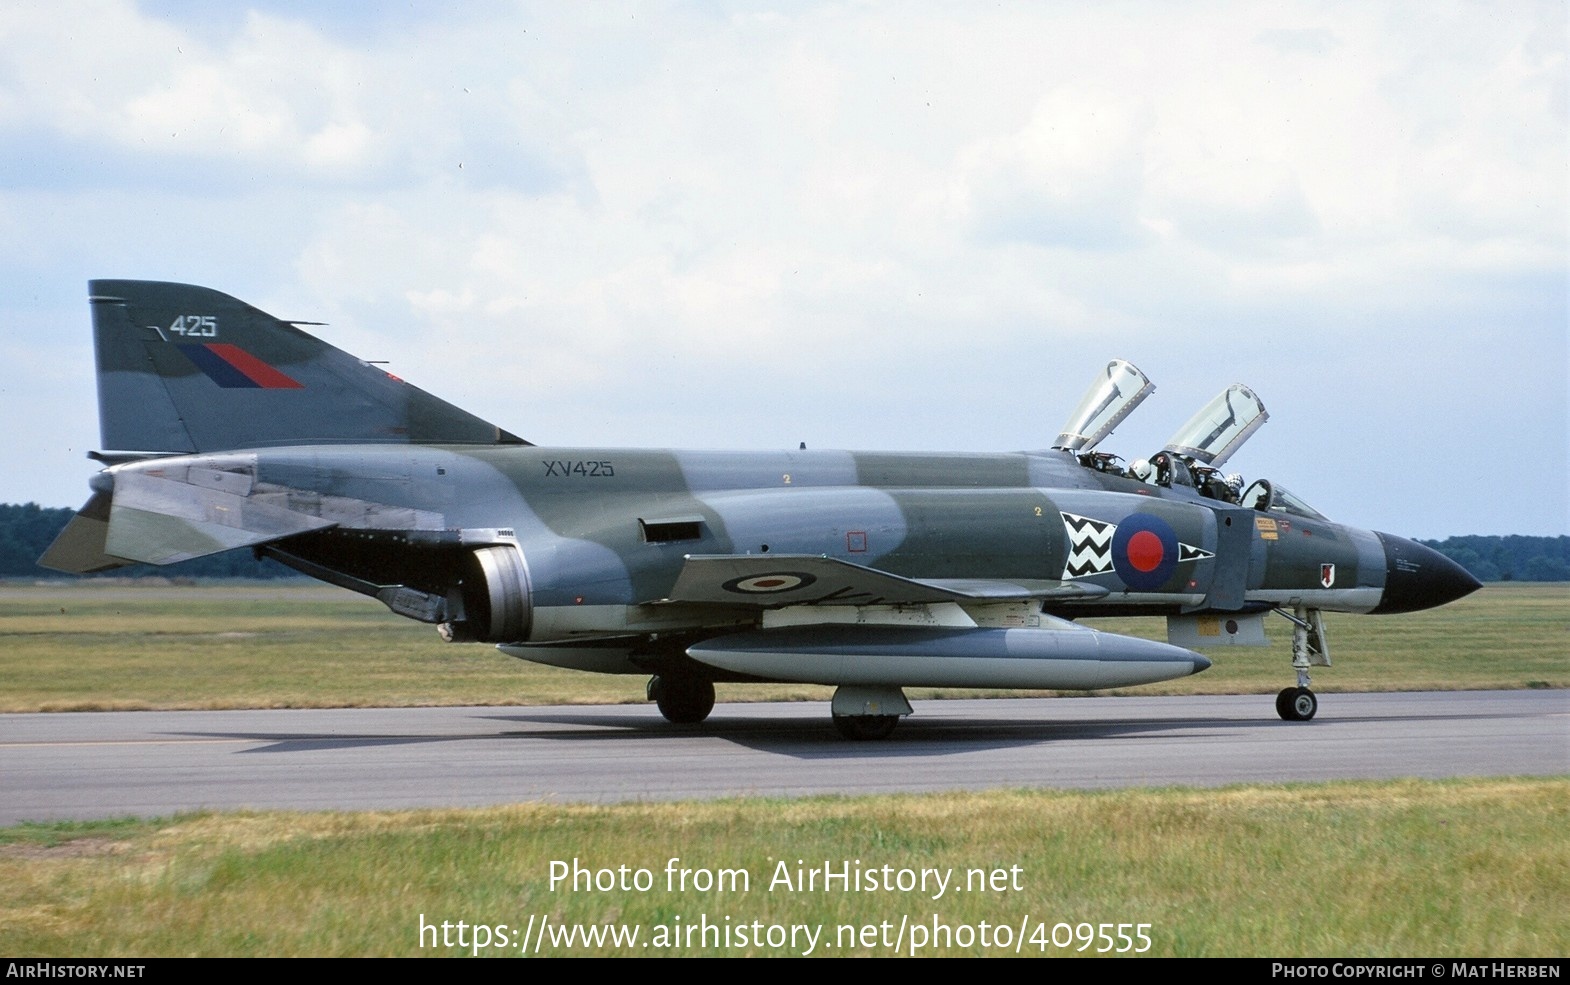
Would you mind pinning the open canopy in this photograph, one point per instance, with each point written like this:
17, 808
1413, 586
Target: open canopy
1112, 397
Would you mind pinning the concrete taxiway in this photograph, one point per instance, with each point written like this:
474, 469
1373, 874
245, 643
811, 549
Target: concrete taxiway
110, 764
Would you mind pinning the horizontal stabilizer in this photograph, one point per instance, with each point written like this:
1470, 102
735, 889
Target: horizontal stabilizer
168, 510
162, 521
79, 549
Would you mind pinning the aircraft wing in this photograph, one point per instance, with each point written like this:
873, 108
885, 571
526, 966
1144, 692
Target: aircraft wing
776, 580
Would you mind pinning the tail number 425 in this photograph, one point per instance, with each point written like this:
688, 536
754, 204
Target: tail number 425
195, 326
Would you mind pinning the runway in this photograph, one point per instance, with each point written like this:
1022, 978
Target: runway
112, 764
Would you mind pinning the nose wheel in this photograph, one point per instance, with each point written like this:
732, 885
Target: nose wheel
1296, 704
1309, 649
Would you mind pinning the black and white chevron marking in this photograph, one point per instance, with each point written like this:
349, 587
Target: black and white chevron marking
1089, 546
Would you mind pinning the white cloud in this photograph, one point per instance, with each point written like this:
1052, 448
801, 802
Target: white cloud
601, 223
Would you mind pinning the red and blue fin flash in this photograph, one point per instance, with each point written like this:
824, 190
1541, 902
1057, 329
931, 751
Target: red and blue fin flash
231, 367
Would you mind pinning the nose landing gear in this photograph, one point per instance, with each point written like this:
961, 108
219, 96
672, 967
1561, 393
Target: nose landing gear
1299, 704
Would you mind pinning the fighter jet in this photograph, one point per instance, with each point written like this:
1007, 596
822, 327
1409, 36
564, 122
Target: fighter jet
224, 427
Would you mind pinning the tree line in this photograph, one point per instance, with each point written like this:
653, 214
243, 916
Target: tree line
1512, 558
26, 530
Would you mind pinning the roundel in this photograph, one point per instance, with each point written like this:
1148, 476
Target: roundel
1144, 551
776, 581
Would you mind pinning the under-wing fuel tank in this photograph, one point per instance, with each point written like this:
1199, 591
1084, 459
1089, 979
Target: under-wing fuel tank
1070, 658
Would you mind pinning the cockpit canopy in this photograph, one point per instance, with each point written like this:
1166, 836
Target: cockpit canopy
1195, 453
1220, 428
1272, 497
1112, 397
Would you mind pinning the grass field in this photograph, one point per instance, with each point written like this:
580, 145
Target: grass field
1473, 868
90, 646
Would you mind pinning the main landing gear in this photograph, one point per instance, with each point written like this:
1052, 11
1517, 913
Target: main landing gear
1299, 704
682, 700
864, 713
860, 713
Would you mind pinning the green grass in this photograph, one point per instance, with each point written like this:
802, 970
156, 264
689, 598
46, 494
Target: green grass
1468, 868
1508, 635
90, 646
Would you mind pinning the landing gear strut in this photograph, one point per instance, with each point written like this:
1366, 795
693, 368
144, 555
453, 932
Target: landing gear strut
1299, 704
682, 700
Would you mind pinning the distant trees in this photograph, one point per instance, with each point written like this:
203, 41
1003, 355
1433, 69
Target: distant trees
27, 530
1513, 558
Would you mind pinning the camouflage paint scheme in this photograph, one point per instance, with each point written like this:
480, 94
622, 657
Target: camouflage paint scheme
229, 428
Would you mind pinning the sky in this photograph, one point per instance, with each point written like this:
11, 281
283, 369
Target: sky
914, 226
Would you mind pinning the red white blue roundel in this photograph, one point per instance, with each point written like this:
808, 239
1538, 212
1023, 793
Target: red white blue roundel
1144, 551
777, 581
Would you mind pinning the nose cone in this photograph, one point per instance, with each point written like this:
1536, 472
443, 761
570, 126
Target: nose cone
1418, 577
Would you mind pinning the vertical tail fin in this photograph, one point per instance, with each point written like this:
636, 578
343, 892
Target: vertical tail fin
188, 369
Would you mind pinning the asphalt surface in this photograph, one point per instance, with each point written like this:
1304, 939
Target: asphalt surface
112, 764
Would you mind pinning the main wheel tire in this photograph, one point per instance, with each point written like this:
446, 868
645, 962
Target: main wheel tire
865, 727
682, 700
1297, 704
